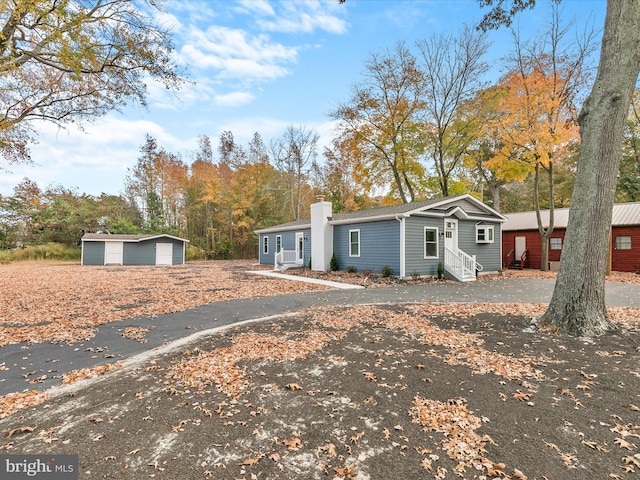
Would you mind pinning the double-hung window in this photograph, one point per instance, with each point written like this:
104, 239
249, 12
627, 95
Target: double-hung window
623, 243
430, 242
354, 243
265, 245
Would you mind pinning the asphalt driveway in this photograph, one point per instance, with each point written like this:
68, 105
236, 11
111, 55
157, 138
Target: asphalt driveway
41, 366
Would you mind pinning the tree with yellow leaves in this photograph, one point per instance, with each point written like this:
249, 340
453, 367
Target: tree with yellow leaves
380, 124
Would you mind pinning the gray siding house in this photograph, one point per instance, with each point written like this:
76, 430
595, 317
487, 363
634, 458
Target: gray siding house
460, 234
107, 249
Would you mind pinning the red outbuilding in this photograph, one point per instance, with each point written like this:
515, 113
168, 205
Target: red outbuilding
522, 243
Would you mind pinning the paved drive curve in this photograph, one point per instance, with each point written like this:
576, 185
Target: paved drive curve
48, 362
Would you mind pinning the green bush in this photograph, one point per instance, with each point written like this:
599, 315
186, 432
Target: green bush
195, 253
333, 264
352, 269
386, 271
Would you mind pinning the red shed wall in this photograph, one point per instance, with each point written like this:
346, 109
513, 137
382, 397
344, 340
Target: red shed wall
626, 260
621, 260
534, 246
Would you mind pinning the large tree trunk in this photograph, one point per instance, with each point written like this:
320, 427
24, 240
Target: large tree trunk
578, 302
495, 194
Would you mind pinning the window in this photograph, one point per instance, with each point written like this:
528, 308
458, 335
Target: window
555, 243
623, 243
265, 244
430, 242
278, 243
484, 233
354, 243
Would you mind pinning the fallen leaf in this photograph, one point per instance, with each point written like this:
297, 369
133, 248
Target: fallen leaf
21, 430
624, 444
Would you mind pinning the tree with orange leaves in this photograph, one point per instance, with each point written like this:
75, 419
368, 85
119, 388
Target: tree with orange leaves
538, 114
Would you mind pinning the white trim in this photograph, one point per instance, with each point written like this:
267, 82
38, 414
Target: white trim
466, 196
132, 240
289, 228
486, 229
300, 248
424, 242
265, 245
278, 237
349, 240
403, 252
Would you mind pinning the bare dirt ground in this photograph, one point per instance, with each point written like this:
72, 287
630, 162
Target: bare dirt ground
366, 392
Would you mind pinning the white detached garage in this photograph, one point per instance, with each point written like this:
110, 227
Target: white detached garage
108, 249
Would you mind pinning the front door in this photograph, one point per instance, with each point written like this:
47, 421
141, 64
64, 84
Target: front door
300, 248
451, 234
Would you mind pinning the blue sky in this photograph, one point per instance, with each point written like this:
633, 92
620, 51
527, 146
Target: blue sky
258, 65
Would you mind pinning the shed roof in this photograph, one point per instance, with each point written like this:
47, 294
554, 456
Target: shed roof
623, 214
116, 237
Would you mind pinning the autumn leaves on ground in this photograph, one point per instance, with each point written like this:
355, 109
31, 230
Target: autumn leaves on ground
367, 392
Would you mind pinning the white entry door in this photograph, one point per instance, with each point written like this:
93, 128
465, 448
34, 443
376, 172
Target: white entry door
521, 246
451, 234
300, 248
113, 253
164, 253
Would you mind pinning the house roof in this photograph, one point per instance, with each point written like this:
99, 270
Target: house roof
109, 237
623, 214
434, 206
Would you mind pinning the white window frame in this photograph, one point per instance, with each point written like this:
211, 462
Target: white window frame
351, 244
488, 233
265, 245
437, 243
278, 243
553, 243
623, 245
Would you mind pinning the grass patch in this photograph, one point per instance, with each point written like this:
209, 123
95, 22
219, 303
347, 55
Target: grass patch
48, 251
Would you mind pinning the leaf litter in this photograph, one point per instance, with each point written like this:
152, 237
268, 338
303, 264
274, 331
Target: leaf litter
361, 392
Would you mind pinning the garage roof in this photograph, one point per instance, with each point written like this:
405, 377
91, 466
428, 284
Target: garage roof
109, 237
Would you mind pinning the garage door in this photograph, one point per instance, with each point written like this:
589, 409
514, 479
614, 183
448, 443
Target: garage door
113, 253
164, 253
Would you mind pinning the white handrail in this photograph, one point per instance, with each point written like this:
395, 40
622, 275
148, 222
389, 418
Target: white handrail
286, 257
461, 264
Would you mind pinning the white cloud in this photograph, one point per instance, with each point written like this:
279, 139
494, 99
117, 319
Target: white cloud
236, 54
94, 160
261, 7
233, 99
306, 17
169, 21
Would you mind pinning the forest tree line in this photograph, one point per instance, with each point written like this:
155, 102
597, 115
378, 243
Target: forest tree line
418, 124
